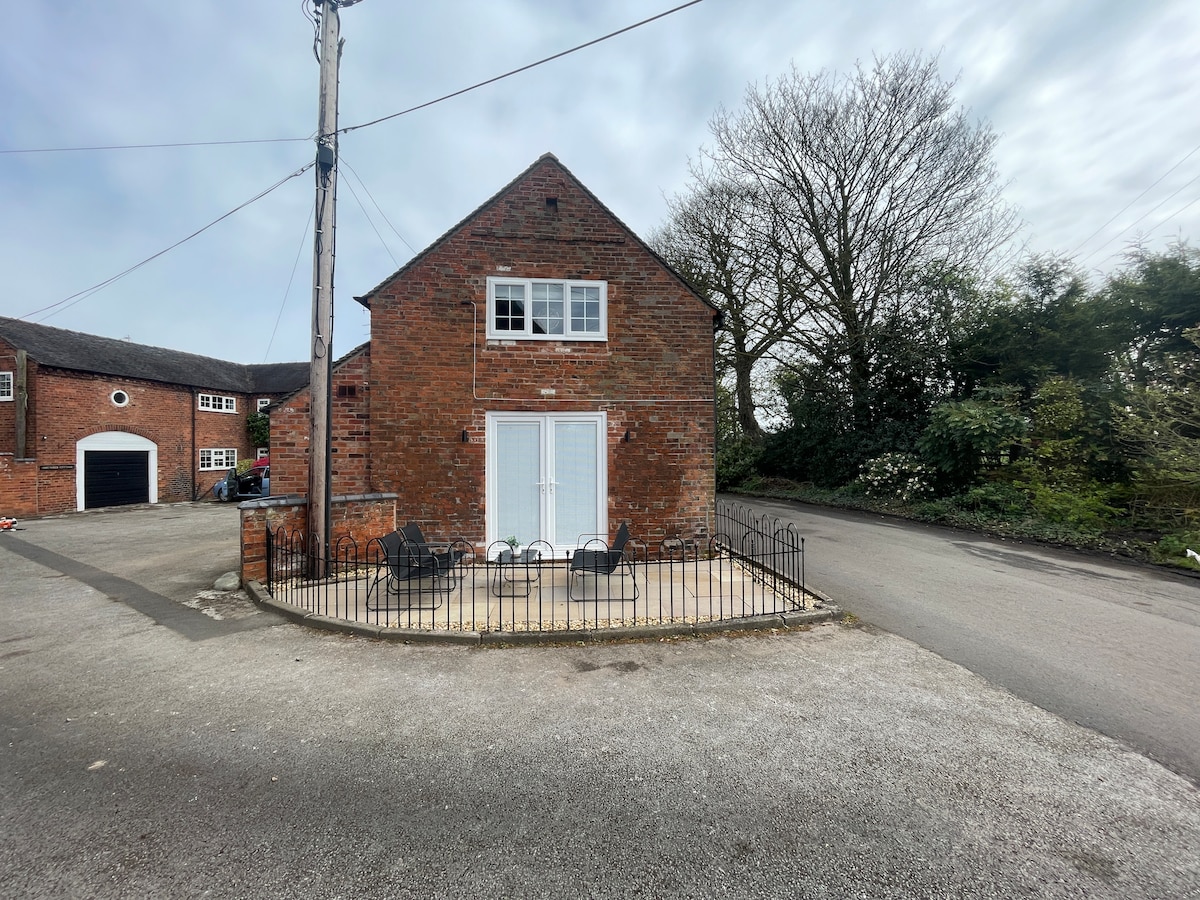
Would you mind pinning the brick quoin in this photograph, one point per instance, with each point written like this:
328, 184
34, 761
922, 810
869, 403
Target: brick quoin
430, 374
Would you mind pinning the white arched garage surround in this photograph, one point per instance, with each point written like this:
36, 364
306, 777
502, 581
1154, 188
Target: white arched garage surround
117, 445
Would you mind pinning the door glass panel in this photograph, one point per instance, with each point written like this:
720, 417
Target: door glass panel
518, 494
576, 481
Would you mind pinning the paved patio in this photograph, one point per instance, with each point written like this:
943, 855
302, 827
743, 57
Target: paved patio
488, 597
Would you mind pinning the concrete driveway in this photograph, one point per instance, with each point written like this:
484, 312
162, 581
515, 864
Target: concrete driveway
139, 758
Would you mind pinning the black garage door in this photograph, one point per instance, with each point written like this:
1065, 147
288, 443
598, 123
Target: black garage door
115, 477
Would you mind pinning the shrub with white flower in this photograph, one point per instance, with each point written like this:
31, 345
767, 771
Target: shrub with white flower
899, 477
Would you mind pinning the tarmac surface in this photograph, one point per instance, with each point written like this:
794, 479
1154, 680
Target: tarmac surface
158, 739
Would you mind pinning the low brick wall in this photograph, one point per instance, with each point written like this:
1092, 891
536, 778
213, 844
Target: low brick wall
18, 486
359, 516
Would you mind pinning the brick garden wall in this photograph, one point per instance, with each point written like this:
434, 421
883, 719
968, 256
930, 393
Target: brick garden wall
18, 486
358, 517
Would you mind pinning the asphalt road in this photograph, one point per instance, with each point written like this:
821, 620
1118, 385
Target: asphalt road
160, 741
1110, 645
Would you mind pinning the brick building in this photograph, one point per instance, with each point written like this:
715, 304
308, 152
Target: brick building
88, 421
538, 372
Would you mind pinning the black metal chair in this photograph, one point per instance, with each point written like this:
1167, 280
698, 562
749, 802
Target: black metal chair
416, 573
612, 561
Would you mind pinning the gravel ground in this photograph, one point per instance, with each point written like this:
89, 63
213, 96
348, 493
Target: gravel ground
141, 760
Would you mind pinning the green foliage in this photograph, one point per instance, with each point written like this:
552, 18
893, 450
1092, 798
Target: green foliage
1161, 421
897, 477
1041, 324
1158, 300
737, 462
1085, 506
1172, 549
965, 435
996, 500
258, 427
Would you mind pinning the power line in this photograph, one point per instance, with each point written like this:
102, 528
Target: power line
370, 221
1129, 204
524, 68
404, 112
363, 184
1170, 196
67, 302
295, 264
156, 146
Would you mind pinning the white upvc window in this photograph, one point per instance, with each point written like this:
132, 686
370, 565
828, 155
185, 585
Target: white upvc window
6, 386
263, 403
223, 458
217, 403
546, 309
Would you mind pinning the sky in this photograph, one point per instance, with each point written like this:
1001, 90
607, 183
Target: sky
1094, 104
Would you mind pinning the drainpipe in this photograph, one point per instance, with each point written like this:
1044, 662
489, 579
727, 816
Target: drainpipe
20, 399
195, 461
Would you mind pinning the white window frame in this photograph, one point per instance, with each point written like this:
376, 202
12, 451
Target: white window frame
7, 387
263, 403
527, 333
216, 403
210, 455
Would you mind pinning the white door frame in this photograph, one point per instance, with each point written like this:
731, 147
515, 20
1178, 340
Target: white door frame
548, 421
114, 440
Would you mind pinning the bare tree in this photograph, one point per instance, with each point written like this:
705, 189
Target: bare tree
846, 189
727, 241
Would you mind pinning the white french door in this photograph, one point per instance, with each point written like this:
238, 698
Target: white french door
546, 477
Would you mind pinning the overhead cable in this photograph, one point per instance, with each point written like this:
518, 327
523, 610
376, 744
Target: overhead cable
403, 112
68, 302
342, 162
1129, 204
524, 68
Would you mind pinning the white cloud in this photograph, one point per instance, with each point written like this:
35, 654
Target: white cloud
1093, 102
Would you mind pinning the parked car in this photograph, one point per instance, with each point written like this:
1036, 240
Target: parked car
250, 485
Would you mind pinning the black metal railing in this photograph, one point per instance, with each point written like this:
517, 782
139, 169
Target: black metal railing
751, 566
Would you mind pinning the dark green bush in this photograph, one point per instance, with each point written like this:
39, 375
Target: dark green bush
737, 462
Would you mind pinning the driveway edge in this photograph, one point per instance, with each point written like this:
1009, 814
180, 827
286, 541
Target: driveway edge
824, 611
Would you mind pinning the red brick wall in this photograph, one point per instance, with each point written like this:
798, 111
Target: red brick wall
18, 486
360, 520
351, 449
433, 373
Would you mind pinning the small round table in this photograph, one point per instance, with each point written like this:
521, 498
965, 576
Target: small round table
517, 573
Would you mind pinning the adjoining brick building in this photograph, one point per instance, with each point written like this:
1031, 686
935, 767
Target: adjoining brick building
537, 372
87, 421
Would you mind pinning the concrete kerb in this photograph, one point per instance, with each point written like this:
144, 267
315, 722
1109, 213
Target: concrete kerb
825, 612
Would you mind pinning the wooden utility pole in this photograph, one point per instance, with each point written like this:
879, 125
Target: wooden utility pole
321, 361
